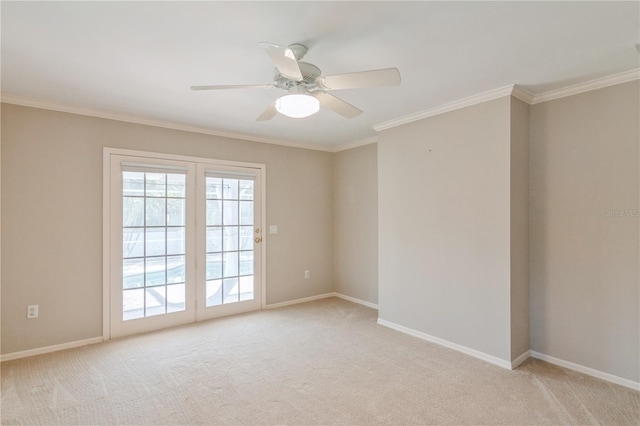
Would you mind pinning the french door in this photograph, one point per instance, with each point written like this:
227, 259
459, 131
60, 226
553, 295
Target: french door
183, 240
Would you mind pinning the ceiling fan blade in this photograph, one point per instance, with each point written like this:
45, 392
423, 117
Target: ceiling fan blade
285, 60
337, 105
268, 113
358, 80
234, 86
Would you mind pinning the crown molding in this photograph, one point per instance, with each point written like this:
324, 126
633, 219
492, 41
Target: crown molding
53, 106
448, 107
598, 83
512, 90
355, 144
517, 92
522, 94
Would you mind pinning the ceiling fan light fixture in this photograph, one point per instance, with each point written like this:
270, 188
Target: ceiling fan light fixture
297, 105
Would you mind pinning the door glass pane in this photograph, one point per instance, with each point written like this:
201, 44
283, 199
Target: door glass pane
175, 240
133, 184
132, 304
246, 238
214, 266
155, 211
230, 246
175, 298
155, 184
246, 263
175, 211
230, 264
132, 273
214, 293
155, 301
246, 288
133, 211
230, 212
230, 189
230, 238
176, 268
230, 290
214, 239
176, 185
214, 188
246, 212
133, 242
214, 213
154, 243
245, 189
155, 270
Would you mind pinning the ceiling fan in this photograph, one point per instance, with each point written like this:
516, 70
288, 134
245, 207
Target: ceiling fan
307, 88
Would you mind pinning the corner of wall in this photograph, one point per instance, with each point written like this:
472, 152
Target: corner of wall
519, 228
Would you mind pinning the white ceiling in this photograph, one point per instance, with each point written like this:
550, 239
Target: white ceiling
139, 58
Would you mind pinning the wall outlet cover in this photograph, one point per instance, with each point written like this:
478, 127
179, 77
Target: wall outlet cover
32, 311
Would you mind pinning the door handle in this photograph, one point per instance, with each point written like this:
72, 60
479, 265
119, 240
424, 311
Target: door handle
258, 239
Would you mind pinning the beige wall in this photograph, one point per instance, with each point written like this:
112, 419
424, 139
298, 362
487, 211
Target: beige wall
52, 217
520, 132
444, 227
355, 212
584, 264
452, 224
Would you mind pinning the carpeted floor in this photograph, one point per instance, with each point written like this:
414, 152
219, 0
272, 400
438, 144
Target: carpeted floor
324, 362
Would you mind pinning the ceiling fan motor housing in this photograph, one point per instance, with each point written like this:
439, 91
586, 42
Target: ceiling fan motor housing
309, 74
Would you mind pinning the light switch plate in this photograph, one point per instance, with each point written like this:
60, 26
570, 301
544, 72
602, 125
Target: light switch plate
273, 229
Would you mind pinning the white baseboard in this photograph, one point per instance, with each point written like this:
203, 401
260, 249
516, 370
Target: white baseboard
321, 296
358, 301
586, 370
48, 349
93, 340
296, 301
456, 347
519, 360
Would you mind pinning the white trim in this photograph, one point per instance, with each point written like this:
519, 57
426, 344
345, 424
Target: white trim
296, 301
48, 349
355, 144
520, 359
358, 301
522, 94
318, 297
587, 370
438, 341
263, 224
588, 86
178, 157
106, 242
448, 107
53, 106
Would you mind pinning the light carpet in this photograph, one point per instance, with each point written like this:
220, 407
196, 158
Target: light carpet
323, 362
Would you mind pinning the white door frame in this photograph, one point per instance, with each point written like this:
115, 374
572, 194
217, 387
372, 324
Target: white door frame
108, 153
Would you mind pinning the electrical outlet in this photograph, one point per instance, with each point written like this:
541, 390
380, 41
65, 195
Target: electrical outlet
306, 274
32, 311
